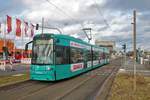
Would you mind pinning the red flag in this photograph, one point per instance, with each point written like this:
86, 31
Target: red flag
18, 27
9, 22
26, 28
32, 30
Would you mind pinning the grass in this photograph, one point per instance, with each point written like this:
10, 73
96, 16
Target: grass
122, 88
6, 80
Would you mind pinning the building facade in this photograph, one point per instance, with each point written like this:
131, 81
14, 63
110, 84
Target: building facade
111, 45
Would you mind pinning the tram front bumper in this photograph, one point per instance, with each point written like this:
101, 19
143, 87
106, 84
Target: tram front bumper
46, 73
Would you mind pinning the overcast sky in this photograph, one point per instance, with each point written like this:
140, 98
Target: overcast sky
72, 15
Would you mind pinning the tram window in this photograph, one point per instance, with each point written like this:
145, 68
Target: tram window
101, 54
76, 55
107, 55
95, 55
62, 55
42, 53
89, 56
104, 55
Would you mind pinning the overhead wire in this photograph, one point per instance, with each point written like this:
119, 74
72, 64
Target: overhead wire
67, 16
101, 14
63, 11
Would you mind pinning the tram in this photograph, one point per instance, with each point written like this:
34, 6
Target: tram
56, 57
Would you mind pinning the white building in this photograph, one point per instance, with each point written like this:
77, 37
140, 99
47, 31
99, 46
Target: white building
111, 45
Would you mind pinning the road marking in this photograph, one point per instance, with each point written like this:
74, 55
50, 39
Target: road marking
18, 75
122, 70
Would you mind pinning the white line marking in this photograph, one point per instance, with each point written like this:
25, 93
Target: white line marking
18, 75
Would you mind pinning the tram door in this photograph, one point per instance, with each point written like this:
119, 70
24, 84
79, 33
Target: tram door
88, 59
85, 58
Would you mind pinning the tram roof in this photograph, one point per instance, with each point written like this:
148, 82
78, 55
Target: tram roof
48, 35
71, 38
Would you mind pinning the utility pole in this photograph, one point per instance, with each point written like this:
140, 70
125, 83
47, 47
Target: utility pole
134, 33
42, 25
134, 47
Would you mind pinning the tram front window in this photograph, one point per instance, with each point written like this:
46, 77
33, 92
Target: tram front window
42, 52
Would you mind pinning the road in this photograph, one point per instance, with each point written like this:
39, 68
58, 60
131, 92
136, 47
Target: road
18, 69
140, 68
82, 87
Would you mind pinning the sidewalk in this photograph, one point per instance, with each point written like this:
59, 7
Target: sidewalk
129, 68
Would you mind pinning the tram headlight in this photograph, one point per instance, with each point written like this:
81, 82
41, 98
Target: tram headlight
48, 68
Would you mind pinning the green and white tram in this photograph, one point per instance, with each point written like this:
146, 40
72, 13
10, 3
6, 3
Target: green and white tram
57, 56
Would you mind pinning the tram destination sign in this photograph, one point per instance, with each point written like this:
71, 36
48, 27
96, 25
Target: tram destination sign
79, 45
42, 42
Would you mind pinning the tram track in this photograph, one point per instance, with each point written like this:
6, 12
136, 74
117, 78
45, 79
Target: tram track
15, 85
63, 90
49, 92
23, 89
102, 88
79, 86
34, 92
94, 94
74, 88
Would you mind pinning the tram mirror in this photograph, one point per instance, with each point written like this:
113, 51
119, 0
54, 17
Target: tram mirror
26, 46
37, 26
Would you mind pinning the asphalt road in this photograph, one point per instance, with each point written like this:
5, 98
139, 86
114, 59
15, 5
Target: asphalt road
17, 69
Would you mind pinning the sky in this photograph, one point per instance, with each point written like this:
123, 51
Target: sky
109, 19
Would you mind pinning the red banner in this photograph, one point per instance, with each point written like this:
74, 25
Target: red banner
9, 24
26, 28
18, 27
32, 30
76, 67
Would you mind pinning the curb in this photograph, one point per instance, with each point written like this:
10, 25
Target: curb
12, 83
101, 94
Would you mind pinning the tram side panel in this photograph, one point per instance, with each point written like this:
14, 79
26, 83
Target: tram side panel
70, 60
98, 59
